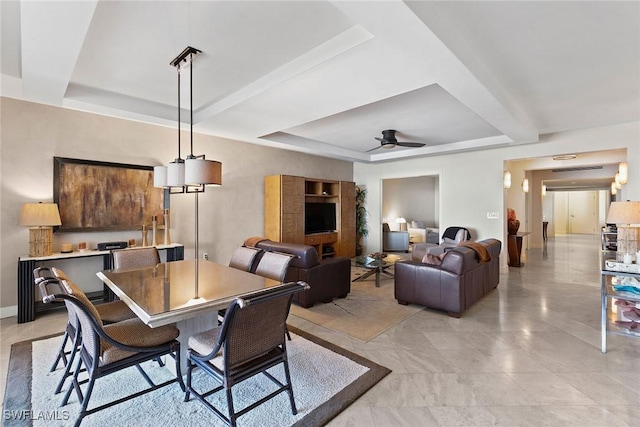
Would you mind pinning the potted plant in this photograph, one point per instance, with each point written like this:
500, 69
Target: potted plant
361, 218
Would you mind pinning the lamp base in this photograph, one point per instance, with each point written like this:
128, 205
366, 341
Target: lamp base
627, 241
40, 241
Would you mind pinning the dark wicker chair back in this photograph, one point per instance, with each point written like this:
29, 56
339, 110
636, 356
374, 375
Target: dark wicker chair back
244, 258
274, 265
126, 259
250, 340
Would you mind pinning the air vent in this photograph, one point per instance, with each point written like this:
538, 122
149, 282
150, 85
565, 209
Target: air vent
578, 168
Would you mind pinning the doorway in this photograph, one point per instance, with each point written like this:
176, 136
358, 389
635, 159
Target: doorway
576, 212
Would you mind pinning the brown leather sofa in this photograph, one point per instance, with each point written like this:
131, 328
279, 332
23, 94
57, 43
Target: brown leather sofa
328, 278
454, 285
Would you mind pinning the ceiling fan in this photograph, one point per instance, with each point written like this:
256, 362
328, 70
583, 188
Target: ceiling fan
389, 140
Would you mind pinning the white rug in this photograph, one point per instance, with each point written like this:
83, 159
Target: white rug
318, 375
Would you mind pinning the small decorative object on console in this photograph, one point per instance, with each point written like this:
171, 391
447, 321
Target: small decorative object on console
378, 255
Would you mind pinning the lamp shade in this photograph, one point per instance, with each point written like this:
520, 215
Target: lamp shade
614, 190
624, 213
175, 174
40, 215
159, 176
202, 172
525, 185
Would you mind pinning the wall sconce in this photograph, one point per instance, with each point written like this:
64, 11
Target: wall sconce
525, 185
40, 217
506, 180
544, 190
614, 190
623, 171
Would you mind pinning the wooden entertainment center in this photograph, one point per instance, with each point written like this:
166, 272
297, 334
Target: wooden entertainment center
284, 212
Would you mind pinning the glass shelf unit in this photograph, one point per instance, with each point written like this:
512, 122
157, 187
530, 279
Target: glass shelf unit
609, 311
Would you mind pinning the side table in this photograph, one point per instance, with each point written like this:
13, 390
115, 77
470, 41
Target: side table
514, 246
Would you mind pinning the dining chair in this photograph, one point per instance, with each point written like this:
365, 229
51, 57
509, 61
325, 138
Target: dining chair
129, 258
274, 265
249, 341
111, 312
244, 258
106, 349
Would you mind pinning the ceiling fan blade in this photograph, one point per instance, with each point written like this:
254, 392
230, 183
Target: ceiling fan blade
411, 144
380, 146
379, 139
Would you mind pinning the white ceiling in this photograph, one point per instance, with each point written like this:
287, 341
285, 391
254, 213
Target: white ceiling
326, 77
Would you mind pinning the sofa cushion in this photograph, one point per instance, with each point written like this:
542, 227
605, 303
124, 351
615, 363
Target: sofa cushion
418, 224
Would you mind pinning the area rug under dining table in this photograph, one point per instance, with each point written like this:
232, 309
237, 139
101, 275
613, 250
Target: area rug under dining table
326, 379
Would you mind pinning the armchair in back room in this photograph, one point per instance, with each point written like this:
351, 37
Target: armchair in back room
394, 241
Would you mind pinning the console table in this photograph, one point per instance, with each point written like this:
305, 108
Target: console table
27, 306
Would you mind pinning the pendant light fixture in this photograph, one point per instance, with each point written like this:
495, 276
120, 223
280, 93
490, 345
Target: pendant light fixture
192, 174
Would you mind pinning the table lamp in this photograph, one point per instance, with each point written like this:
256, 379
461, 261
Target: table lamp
624, 214
403, 223
40, 217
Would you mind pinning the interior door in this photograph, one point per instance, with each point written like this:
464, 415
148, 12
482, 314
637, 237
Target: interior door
583, 212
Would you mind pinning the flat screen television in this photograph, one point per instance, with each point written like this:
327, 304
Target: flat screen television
319, 217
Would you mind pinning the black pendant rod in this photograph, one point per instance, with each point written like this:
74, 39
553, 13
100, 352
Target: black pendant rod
179, 154
191, 101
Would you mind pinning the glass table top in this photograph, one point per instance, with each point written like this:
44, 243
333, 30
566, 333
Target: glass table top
168, 292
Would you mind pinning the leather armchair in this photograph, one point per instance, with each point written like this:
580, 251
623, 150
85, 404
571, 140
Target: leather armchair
328, 278
394, 241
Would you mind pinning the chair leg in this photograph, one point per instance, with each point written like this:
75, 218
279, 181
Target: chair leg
187, 393
85, 402
67, 369
75, 385
232, 411
179, 369
294, 410
61, 353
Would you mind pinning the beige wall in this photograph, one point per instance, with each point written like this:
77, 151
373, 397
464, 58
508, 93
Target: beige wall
32, 134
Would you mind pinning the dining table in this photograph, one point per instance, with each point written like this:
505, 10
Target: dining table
187, 293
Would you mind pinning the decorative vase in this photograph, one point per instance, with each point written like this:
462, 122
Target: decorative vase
513, 226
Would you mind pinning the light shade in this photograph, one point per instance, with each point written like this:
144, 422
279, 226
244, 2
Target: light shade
525, 185
175, 174
506, 179
40, 215
623, 171
202, 172
624, 213
544, 190
160, 176
614, 190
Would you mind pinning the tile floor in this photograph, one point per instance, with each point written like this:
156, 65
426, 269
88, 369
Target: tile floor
528, 354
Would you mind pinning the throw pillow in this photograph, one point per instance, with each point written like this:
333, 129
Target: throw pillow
418, 224
433, 259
